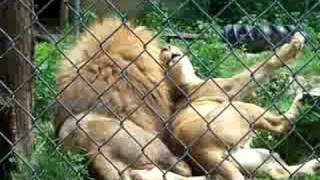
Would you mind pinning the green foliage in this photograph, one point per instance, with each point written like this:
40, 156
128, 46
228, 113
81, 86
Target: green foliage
51, 162
206, 53
182, 10
152, 20
48, 160
259, 11
308, 62
46, 57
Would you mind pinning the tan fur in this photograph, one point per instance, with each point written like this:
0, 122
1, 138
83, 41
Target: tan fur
216, 120
113, 74
159, 174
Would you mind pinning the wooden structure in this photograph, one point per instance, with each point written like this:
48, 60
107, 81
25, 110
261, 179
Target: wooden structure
15, 83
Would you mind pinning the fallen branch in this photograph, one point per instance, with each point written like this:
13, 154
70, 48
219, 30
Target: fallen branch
183, 35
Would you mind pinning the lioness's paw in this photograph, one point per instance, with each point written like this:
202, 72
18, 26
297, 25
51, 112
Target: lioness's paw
298, 40
290, 50
299, 97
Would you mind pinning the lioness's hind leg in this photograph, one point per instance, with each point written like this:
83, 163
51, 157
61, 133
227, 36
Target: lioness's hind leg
273, 122
159, 174
108, 168
261, 162
215, 162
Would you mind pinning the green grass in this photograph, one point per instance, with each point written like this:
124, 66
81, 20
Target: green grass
309, 63
307, 177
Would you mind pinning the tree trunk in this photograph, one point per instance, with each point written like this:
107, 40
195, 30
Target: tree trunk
16, 82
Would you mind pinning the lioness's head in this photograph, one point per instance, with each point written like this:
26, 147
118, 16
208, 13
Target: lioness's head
180, 66
183, 74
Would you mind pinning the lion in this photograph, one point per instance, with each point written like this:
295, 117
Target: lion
114, 99
217, 125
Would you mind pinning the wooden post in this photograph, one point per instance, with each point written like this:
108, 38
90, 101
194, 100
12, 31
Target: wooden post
16, 80
62, 14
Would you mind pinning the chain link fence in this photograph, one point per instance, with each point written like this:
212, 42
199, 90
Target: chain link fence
234, 96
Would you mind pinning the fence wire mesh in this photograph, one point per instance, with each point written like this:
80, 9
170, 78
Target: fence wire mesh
238, 99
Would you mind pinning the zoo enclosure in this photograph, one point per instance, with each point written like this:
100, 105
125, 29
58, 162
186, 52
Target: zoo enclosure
19, 112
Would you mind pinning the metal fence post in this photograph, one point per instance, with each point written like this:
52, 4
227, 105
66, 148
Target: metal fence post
75, 16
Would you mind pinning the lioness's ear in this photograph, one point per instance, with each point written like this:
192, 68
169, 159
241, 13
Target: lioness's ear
165, 47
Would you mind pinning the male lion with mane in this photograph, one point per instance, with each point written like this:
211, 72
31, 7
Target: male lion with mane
113, 99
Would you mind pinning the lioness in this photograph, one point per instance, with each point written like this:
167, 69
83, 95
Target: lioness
217, 126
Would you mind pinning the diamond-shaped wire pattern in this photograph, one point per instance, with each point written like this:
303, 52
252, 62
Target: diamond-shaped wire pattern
235, 95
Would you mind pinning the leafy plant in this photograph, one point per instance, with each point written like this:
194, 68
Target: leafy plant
49, 161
